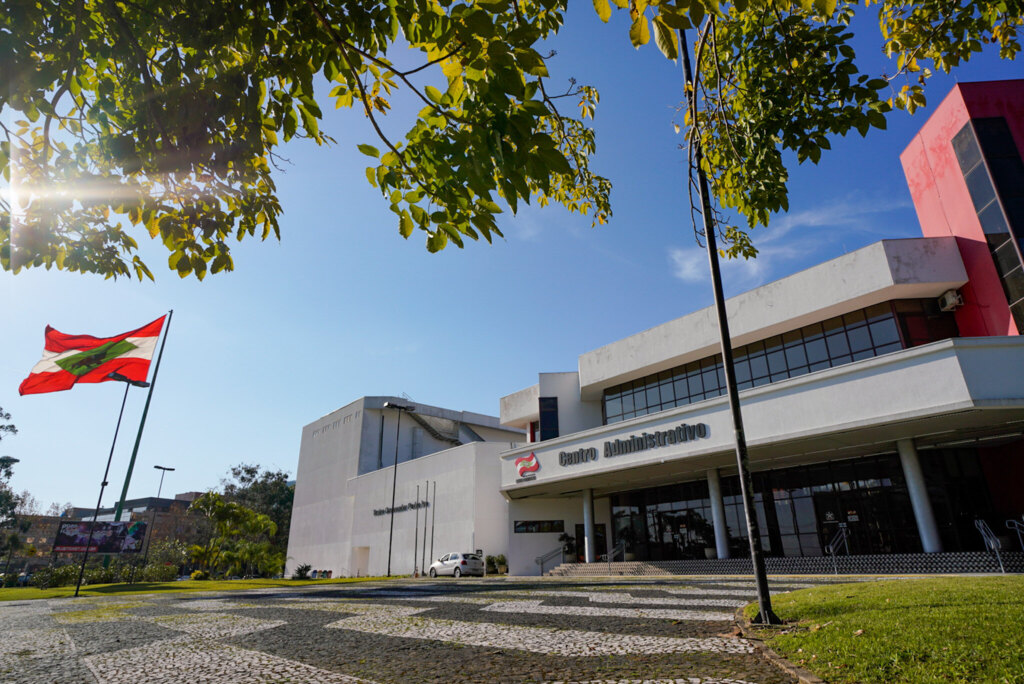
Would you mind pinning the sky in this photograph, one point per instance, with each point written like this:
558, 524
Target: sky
343, 307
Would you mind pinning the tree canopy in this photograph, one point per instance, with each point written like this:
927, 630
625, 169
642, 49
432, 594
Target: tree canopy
266, 492
170, 115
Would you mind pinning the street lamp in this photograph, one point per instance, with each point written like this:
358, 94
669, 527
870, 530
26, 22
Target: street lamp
152, 523
394, 481
128, 382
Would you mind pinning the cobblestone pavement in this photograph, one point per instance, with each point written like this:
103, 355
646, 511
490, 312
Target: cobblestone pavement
583, 630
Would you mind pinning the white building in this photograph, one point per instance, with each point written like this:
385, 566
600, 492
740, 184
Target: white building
445, 496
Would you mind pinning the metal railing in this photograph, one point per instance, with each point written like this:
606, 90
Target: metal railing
550, 555
842, 536
619, 548
992, 542
1018, 527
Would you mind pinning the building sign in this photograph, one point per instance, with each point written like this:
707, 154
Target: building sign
634, 443
527, 466
411, 506
567, 458
653, 440
107, 537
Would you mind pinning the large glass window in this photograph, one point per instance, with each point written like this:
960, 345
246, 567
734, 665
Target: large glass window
876, 330
994, 173
806, 507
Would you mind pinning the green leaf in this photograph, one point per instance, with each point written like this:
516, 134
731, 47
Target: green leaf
405, 226
665, 37
603, 9
369, 150
433, 94
640, 32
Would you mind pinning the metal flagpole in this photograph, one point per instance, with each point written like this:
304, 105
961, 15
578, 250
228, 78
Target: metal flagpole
103, 485
764, 601
423, 553
142, 422
416, 533
433, 517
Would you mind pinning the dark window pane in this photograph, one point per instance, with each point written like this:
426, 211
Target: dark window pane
853, 318
776, 377
1008, 175
797, 370
1006, 258
1018, 316
994, 136
966, 149
653, 397
1014, 282
696, 385
884, 332
667, 393
878, 312
742, 370
833, 324
710, 378
840, 360
795, 356
816, 351
773, 344
859, 339
865, 354
792, 338
886, 348
810, 545
613, 407
980, 187
681, 387
837, 345
777, 362
627, 403
821, 365
812, 332
758, 366
640, 401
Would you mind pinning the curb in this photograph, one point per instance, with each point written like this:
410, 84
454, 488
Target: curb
747, 631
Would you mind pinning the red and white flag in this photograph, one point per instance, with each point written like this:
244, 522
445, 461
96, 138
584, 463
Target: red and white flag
70, 359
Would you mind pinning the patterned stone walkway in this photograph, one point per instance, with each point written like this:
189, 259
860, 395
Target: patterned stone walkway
493, 630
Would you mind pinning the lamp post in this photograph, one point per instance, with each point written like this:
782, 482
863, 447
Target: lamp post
163, 471
394, 480
103, 485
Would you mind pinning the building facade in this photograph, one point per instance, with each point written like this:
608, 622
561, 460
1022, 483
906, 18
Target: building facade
446, 494
881, 390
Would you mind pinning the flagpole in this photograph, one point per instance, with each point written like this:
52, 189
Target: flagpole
103, 485
142, 423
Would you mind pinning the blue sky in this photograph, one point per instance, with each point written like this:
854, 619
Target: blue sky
344, 307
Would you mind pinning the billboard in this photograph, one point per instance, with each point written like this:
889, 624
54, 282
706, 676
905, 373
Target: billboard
107, 537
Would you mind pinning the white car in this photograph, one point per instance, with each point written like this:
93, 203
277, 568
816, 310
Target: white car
457, 565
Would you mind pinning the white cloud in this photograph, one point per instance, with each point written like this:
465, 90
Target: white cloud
792, 241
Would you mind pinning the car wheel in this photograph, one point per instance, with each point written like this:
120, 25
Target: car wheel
433, 573
457, 573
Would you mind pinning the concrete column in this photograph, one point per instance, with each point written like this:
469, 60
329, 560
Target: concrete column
919, 496
588, 525
718, 514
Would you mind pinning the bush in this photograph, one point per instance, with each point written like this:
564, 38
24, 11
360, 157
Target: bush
62, 576
302, 571
200, 575
155, 572
501, 561
9, 580
492, 565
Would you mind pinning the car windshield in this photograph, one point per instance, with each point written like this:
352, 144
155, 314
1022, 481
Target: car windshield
471, 556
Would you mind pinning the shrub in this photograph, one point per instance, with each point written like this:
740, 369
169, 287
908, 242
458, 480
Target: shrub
200, 575
158, 572
302, 571
62, 576
492, 565
501, 561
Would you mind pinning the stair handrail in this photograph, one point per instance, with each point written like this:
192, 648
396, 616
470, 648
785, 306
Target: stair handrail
610, 556
1018, 527
544, 558
992, 542
842, 536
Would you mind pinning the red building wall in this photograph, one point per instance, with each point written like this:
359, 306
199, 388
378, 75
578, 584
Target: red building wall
944, 205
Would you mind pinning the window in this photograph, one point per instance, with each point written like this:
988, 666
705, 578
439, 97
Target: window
539, 526
548, 418
843, 339
994, 174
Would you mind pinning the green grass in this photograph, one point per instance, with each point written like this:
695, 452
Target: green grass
25, 593
935, 629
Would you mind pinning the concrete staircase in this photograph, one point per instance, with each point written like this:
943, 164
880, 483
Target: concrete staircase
898, 564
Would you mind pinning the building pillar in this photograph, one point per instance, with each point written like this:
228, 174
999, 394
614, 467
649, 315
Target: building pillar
718, 514
588, 525
918, 491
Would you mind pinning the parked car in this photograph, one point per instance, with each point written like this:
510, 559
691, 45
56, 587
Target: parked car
457, 565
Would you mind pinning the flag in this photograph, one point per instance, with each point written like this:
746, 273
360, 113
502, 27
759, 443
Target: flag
69, 359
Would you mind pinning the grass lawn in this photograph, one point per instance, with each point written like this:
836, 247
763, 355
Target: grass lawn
24, 593
935, 629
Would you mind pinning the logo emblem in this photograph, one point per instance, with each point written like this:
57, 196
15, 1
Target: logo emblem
527, 466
